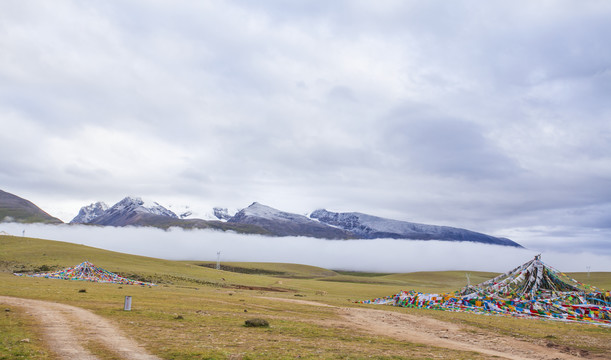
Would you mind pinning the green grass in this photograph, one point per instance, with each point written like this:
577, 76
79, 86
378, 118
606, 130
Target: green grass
212, 306
25, 216
275, 269
212, 322
19, 336
602, 280
360, 273
573, 336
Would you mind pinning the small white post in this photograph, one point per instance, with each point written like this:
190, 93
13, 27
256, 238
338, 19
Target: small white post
128, 304
588, 267
218, 260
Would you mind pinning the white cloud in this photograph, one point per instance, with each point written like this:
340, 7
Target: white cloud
381, 255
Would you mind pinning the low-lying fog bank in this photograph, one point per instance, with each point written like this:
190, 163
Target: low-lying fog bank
380, 255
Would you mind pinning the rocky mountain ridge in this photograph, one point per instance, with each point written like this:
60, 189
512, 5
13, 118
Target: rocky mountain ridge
282, 223
89, 213
254, 219
373, 227
128, 211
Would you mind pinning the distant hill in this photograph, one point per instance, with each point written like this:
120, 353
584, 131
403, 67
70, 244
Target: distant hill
16, 209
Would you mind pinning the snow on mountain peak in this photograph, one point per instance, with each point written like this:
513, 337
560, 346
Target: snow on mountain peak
155, 208
369, 226
221, 213
128, 204
364, 224
202, 212
89, 213
262, 211
258, 210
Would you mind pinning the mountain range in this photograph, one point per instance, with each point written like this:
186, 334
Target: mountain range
372, 227
254, 219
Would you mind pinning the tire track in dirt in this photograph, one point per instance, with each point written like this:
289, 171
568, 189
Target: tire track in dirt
423, 330
65, 328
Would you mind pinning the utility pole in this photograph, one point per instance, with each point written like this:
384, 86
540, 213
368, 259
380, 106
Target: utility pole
218, 260
588, 267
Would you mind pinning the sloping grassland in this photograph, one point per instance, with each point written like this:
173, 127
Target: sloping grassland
199, 312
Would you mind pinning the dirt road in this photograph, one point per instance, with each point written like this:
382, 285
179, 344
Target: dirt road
66, 328
422, 330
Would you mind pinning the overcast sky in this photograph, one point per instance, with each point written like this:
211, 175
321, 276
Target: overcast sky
489, 115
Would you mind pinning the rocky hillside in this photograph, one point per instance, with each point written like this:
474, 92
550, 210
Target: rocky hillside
16, 209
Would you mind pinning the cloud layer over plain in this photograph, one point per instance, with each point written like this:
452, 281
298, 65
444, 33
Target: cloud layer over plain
381, 255
490, 116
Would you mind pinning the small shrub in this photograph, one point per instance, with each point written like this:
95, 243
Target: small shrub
44, 268
82, 290
256, 323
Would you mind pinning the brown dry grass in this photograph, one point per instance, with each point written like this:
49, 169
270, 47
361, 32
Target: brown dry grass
213, 314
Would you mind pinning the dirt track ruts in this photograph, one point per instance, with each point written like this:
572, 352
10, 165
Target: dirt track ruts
423, 330
66, 328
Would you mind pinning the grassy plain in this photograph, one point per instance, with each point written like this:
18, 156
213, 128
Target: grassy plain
197, 312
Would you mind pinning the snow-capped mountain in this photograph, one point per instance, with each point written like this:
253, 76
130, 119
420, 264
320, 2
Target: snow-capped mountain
151, 207
189, 212
282, 223
133, 211
129, 211
261, 219
221, 213
88, 213
370, 227
186, 214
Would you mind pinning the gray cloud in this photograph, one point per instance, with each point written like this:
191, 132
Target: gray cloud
444, 146
487, 116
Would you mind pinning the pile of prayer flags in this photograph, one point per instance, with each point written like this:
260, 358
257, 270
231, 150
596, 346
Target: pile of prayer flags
87, 271
532, 290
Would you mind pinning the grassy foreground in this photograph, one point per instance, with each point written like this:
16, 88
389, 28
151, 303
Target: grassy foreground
198, 313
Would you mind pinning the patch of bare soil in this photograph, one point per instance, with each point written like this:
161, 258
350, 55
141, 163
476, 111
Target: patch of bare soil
423, 330
66, 328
